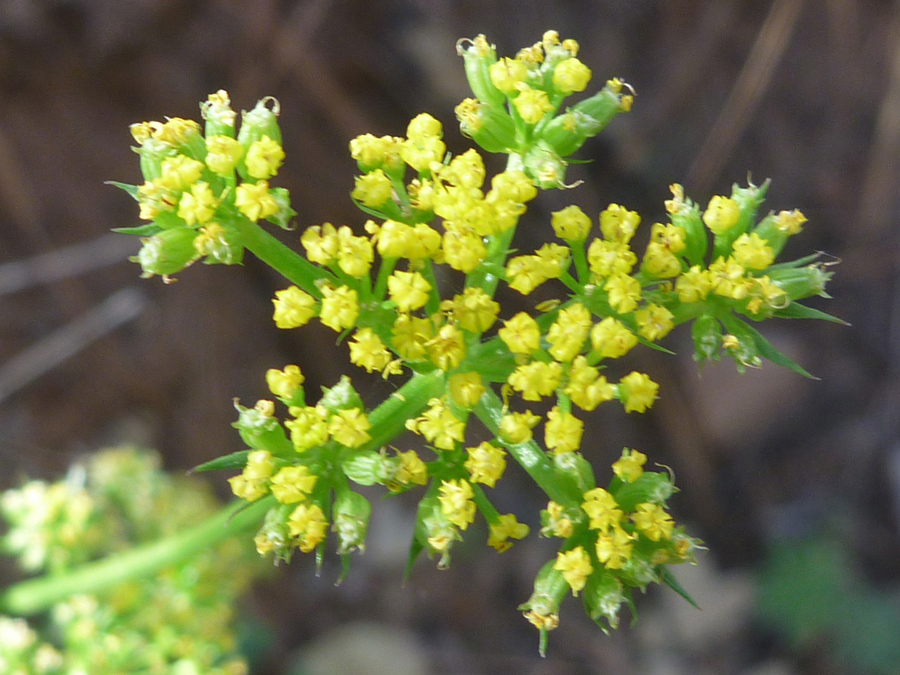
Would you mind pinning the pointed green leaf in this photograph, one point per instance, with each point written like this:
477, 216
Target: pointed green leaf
147, 230
769, 352
415, 549
797, 311
130, 189
669, 580
236, 460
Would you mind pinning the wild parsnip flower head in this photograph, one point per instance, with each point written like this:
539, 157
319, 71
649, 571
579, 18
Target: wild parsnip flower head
417, 291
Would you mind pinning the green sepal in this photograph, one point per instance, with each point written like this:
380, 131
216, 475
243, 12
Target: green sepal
364, 468
236, 460
285, 214
706, 333
262, 432
696, 239
651, 486
341, 396
167, 252
478, 57
147, 230
575, 465
669, 580
130, 189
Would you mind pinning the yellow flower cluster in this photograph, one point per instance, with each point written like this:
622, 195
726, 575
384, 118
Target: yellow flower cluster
615, 540
192, 193
435, 221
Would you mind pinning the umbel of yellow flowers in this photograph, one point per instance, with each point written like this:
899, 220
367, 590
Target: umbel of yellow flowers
457, 355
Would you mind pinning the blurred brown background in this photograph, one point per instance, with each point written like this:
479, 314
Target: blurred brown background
805, 93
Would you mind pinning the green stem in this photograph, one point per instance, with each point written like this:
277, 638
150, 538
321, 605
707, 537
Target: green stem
282, 259
558, 486
497, 250
388, 420
37, 595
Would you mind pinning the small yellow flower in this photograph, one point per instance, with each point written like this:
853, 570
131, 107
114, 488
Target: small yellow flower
466, 389
354, 254
408, 289
410, 336
637, 391
462, 247
198, 205
506, 528
516, 427
368, 351
609, 257
660, 262
532, 104
253, 482
722, 214
587, 388
293, 484
790, 222
752, 251
575, 566
653, 521
309, 428
439, 425
321, 243
602, 509
412, 471
570, 76
557, 522
307, 524
571, 224
654, 322
728, 280
284, 383
455, 497
624, 292
521, 334
223, 154
447, 348
507, 74
340, 307
536, 379
568, 333
372, 152
180, 172
611, 338
563, 431
349, 427
486, 463
293, 307
614, 548
372, 189
473, 310
255, 201
630, 465
618, 224
693, 285
264, 158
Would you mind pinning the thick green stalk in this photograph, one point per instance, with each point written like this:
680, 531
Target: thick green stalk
282, 259
388, 420
558, 486
37, 595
